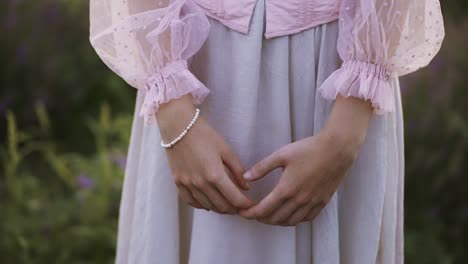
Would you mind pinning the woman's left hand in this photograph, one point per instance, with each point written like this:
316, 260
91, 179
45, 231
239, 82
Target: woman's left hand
313, 167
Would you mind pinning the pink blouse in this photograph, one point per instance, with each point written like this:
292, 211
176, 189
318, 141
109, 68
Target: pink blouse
149, 43
283, 17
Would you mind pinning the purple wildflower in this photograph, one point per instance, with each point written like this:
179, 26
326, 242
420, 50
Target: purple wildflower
122, 163
85, 182
120, 160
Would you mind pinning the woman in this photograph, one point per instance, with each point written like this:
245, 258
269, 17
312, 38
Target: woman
296, 154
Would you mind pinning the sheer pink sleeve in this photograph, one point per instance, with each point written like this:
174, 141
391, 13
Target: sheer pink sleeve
149, 43
380, 39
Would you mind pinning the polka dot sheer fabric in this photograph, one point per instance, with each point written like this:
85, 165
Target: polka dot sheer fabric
149, 44
380, 39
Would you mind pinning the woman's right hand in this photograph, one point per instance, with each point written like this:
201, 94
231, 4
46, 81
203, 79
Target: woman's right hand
202, 162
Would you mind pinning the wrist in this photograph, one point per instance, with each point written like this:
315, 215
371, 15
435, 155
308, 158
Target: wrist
173, 116
348, 123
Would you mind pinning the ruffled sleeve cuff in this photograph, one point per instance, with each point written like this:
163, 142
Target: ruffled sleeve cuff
170, 82
362, 80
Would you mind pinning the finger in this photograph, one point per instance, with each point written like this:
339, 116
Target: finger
299, 215
263, 167
268, 219
313, 212
222, 205
227, 187
283, 212
202, 199
188, 197
235, 167
267, 205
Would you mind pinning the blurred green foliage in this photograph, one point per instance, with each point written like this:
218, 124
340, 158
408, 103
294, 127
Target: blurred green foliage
436, 136
46, 57
61, 206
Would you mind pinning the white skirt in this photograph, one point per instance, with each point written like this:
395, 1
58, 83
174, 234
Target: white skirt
264, 96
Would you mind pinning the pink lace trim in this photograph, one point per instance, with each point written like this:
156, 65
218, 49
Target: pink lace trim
362, 80
170, 82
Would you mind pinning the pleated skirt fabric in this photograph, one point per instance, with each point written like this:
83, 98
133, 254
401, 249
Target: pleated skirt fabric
264, 96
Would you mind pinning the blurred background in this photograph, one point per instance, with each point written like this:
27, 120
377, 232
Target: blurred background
65, 122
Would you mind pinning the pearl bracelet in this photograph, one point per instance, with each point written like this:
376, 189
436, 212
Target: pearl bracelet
173, 142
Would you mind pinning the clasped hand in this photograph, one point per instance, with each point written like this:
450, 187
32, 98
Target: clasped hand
313, 167
208, 174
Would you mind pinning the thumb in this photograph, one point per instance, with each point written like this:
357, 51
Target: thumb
263, 167
235, 167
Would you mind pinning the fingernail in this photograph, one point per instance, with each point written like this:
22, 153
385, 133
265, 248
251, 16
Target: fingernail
247, 175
